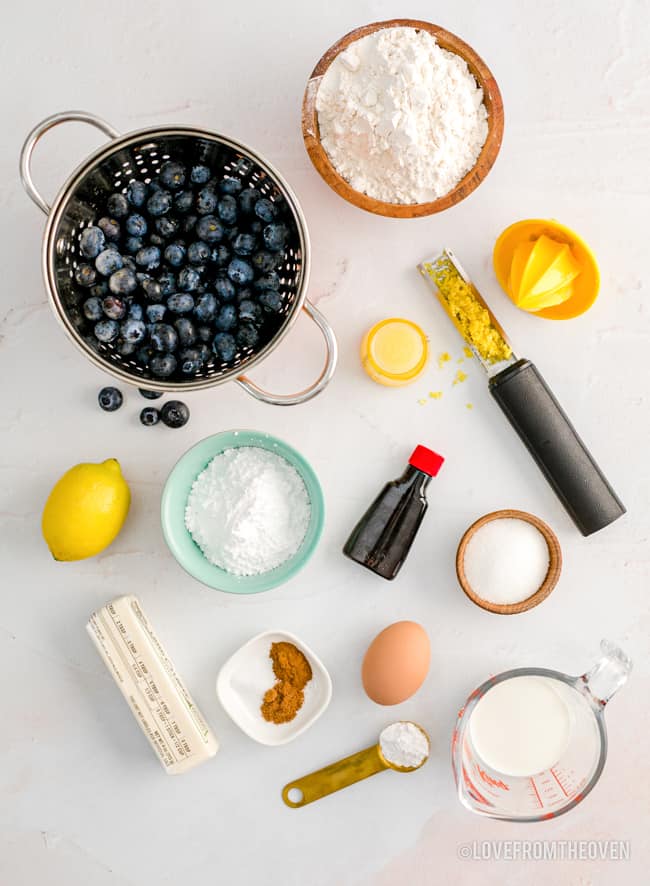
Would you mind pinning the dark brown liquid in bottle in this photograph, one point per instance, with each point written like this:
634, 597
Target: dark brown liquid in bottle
383, 536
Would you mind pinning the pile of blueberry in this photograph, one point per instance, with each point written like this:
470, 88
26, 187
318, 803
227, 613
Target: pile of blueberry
183, 270
173, 413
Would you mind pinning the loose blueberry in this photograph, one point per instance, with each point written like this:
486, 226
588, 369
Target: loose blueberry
220, 254
167, 282
150, 416
92, 308
110, 227
175, 254
159, 203
133, 244
174, 414
250, 310
275, 236
144, 355
270, 280
166, 226
209, 228
188, 223
109, 261
114, 307
186, 331
135, 312
200, 175
227, 209
151, 288
183, 201
136, 193
264, 261
206, 307
271, 301
206, 201
248, 198
224, 346
122, 282
205, 353
148, 258
256, 226
91, 241
110, 399
173, 175
129, 262
188, 279
244, 244
106, 330
265, 210
163, 365
150, 395
133, 331
198, 252
155, 313
240, 271
125, 348
180, 303
190, 361
99, 290
136, 225
117, 205
225, 288
163, 337
204, 333
85, 275
156, 240
226, 318
247, 336
230, 185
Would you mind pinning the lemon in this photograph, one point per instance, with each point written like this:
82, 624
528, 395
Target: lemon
85, 510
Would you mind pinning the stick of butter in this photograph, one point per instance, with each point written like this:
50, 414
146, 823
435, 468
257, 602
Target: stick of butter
153, 690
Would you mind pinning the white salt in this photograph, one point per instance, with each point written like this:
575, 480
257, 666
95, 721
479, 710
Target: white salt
506, 560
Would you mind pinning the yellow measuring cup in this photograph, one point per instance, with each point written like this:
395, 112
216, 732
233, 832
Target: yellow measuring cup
354, 768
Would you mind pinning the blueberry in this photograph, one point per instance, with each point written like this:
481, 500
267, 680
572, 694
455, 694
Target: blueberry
144, 355
244, 244
106, 330
190, 361
204, 333
247, 336
227, 209
92, 308
264, 261
200, 175
136, 225
151, 288
166, 226
240, 271
85, 275
183, 201
198, 252
156, 240
256, 226
114, 307
91, 241
205, 352
250, 310
109, 261
230, 185
180, 303
189, 223
186, 331
206, 307
163, 337
99, 290
125, 348
117, 205
226, 319
129, 262
225, 288
275, 236
175, 254
149, 257
188, 279
150, 416
265, 210
220, 254
163, 365
110, 227
135, 312
231, 232
159, 203
150, 395
248, 198
133, 244
269, 280
173, 175
136, 193
206, 201
224, 346
110, 399
155, 313
174, 414
167, 282
133, 331
122, 282
271, 301
209, 228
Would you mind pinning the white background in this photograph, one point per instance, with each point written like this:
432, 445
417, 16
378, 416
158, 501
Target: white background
83, 798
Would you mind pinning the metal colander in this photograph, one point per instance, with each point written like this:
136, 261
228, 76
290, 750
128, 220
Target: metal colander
139, 155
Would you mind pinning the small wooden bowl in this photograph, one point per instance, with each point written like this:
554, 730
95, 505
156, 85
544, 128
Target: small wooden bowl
485, 161
552, 576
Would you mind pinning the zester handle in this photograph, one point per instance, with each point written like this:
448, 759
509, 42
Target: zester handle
551, 439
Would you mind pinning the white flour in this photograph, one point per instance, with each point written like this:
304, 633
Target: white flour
401, 119
404, 744
248, 510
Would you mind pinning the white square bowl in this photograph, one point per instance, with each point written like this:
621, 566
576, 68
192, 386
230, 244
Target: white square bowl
248, 674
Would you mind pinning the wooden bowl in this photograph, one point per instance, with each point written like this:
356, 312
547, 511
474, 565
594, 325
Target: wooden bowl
489, 151
552, 576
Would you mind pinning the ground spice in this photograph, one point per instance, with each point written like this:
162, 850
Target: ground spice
292, 672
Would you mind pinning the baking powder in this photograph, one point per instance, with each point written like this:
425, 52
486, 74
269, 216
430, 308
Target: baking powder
404, 744
248, 510
401, 119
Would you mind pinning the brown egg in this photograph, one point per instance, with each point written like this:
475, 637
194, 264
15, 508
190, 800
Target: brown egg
396, 663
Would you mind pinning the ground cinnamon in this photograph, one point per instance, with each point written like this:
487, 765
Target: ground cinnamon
292, 672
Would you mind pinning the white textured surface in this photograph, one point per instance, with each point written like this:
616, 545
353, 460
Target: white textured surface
83, 799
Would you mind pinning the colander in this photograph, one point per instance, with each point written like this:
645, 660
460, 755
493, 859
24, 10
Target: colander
139, 155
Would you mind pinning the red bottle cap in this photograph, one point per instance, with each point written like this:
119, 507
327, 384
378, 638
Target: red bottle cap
426, 460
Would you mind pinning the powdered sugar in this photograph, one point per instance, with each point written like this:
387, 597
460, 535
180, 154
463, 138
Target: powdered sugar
248, 510
401, 119
404, 744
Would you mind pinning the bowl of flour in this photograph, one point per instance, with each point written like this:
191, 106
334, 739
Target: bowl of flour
242, 511
402, 118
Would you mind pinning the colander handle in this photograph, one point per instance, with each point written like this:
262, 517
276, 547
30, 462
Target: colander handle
322, 380
38, 132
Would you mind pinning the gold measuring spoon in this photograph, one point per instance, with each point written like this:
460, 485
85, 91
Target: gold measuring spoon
348, 771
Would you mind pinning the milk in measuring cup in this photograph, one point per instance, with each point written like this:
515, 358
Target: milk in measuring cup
521, 726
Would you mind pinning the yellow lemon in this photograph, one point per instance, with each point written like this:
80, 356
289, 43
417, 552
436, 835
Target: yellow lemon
85, 510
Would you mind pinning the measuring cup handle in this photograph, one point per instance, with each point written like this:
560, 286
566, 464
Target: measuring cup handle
321, 382
608, 674
334, 777
38, 132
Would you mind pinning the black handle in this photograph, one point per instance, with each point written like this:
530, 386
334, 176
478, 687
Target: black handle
551, 439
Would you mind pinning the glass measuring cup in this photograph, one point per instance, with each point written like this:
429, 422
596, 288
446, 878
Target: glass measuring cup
559, 788
345, 772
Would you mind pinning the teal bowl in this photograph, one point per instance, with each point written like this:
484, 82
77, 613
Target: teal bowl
184, 548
